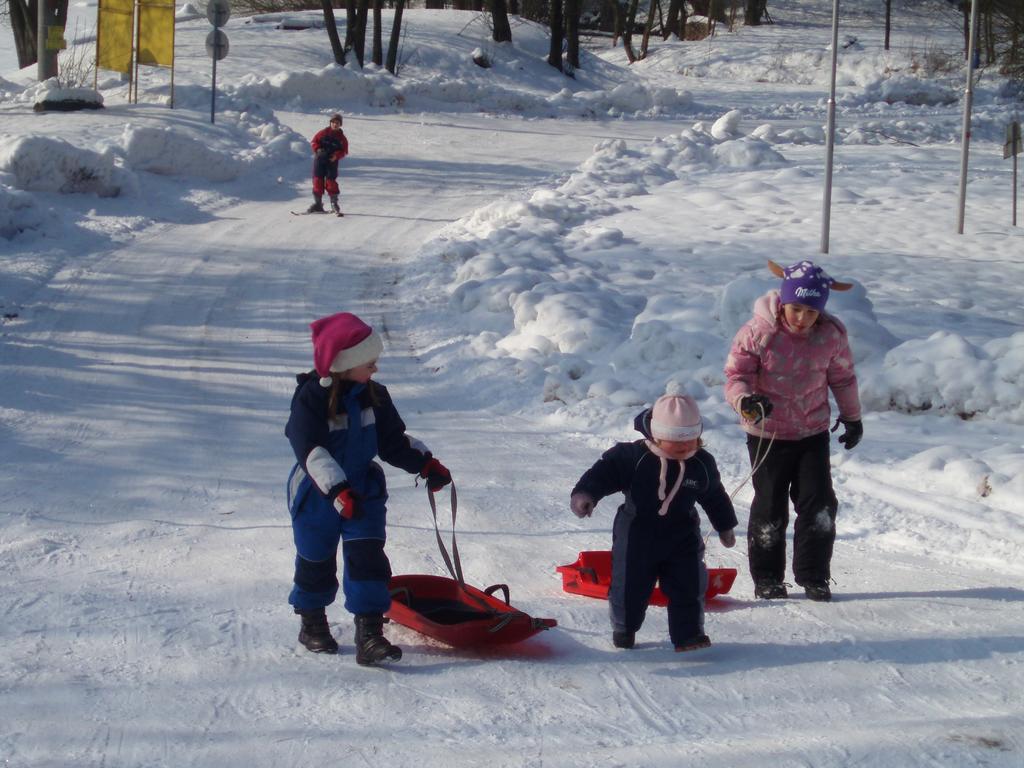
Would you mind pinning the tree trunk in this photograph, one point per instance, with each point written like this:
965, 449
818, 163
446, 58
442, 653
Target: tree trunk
499, 17
572, 32
332, 33
675, 24
24, 23
647, 29
557, 33
754, 12
350, 23
378, 41
359, 34
627, 32
616, 13
396, 34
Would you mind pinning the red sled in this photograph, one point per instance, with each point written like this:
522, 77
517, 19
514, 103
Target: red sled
458, 614
591, 575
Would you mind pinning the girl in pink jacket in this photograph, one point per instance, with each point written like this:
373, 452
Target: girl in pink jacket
781, 366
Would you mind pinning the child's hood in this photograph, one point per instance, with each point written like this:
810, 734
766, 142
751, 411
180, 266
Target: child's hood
642, 423
767, 308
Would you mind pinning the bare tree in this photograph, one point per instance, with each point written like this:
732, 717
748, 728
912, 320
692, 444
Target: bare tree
396, 33
502, 32
332, 33
756, 11
378, 43
362, 11
572, 33
675, 23
557, 33
627, 32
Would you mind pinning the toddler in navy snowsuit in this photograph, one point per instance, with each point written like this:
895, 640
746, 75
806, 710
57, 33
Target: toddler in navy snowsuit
656, 534
340, 421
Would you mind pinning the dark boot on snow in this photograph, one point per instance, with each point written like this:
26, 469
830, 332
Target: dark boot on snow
694, 644
769, 589
371, 646
317, 206
623, 639
334, 205
818, 591
315, 633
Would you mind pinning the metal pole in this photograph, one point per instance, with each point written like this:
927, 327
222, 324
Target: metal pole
888, 21
1015, 189
968, 103
213, 90
830, 130
46, 57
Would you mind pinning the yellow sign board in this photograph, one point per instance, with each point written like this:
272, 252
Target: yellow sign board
156, 33
114, 19
55, 39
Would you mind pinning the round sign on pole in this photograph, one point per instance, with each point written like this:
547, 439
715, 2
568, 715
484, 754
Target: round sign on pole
218, 12
217, 44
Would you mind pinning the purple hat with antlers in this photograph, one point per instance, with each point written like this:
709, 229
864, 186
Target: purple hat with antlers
806, 283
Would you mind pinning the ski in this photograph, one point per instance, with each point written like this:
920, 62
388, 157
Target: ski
339, 214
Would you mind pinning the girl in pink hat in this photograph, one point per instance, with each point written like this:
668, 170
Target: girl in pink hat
656, 534
340, 422
779, 372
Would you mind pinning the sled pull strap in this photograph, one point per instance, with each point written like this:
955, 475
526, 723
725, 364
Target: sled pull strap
453, 563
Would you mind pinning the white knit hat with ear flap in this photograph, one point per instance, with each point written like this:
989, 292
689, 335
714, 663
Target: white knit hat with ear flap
676, 418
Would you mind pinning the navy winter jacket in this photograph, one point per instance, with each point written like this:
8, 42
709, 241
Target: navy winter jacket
632, 469
320, 447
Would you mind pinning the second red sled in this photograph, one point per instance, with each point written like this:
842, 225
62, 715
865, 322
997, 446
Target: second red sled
591, 575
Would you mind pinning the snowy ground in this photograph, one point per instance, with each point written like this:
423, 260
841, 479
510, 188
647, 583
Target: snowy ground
538, 281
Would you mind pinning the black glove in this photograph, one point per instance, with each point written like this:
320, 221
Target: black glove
753, 408
852, 433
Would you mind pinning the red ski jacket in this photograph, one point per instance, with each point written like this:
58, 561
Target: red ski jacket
332, 141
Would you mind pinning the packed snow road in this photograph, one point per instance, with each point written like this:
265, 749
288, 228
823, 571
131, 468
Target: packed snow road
145, 592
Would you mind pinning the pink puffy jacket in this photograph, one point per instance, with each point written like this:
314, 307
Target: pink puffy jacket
795, 372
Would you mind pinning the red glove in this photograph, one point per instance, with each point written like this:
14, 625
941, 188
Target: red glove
437, 475
348, 503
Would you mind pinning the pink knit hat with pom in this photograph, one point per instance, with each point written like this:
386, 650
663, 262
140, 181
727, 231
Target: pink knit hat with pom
677, 418
342, 342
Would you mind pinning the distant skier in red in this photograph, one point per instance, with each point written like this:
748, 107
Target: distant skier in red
329, 146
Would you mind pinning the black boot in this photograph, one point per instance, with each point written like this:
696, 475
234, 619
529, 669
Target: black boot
770, 589
315, 633
371, 645
334, 205
623, 639
818, 590
317, 206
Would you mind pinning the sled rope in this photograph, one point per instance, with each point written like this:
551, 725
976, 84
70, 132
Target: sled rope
755, 465
453, 562
454, 565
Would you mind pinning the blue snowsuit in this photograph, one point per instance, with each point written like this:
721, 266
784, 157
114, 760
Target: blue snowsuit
331, 455
648, 547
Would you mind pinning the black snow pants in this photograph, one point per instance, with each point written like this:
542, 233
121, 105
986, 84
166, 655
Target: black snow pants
797, 470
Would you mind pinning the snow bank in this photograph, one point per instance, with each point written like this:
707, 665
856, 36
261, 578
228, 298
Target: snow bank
18, 212
46, 164
553, 293
947, 373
